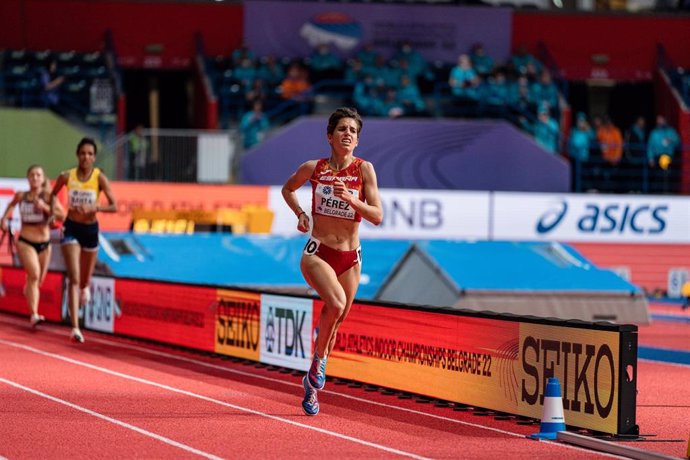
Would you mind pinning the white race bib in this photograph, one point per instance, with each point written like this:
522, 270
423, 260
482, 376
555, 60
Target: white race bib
327, 204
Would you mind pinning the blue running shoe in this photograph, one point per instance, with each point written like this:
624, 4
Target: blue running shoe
317, 373
310, 404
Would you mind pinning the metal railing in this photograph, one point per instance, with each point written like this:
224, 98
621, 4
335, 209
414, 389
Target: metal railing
165, 155
632, 174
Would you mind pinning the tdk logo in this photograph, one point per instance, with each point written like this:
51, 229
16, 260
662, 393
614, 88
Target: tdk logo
609, 218
283, 333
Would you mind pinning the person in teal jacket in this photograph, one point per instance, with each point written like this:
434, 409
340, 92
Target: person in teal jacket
663, 140
661, 148
581, 137
254, 125
546, 131
579, 143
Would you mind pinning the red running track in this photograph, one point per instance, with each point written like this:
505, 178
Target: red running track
114, 398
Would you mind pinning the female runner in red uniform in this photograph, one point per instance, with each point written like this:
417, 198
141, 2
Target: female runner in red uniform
344, 190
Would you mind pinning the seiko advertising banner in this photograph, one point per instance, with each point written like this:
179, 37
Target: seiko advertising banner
238, 324
489, 362
407, 214
591, 218
437, 32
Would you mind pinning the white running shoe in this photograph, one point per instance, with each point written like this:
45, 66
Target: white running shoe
36, 320
84, 296
76, 335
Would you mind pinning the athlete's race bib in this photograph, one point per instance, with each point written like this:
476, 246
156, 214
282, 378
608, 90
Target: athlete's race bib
312, 246
30, 214
81, 197
327, 204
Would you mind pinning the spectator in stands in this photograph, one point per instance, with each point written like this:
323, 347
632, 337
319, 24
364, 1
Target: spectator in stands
391, 106
661, 149
403, 68
520, 97
546, 130
80, 231
367, 55
324, 64
581, 137
259, 92
368, 96
384, 74
545, 91
635, 153
296, 87
416, 62
245, 74
33, 244
483, 63
636, 142
524, 63
354, 71
51, 81
610, 141
463, 79
253, 125
270, 70
331, 260
497, 92
241, 53
409, 96
138, 147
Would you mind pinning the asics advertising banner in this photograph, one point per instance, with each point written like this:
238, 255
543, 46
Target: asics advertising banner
592, 218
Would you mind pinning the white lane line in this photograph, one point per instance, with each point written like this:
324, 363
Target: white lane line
115, 343
211, 400
342, 395
111, 420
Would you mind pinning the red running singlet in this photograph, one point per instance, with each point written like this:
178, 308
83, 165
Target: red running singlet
323, 201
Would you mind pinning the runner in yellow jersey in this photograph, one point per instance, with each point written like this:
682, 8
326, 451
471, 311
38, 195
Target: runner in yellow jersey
80, 231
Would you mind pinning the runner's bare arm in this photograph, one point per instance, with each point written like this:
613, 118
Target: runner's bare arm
104, 184
294, 182
4, 221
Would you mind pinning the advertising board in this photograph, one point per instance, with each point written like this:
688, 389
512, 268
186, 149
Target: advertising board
171, 313
408, 214
489, 361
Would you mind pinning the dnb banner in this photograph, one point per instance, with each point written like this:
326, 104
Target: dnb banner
495, 362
